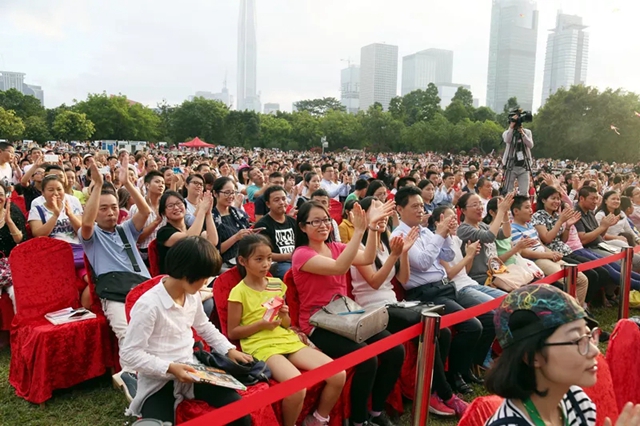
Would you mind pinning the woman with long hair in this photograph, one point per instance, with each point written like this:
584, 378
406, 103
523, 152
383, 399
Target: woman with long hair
319, 268
311, 184
620, 233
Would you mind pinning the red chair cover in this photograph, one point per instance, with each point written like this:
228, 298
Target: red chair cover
190, 409
603, 394
293, 301
622, 355
480, 410
250, 209
335, 210
45, 357
6, 312
19, 201
154, 261
222, 286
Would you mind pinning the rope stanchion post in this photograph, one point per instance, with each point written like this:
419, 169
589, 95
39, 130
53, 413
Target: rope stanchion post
424, 372
625, 282
571, 279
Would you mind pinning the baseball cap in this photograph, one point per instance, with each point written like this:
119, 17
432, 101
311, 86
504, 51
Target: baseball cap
534, 308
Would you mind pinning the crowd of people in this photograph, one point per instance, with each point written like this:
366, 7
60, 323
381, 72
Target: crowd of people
433, 224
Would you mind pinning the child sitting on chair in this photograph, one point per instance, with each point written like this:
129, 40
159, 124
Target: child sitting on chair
159, 341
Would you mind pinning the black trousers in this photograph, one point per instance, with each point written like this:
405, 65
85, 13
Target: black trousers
401, 318
369, 377
598, 277
159, 406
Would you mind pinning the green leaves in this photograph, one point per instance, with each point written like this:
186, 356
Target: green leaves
70, 125
320, 107
11, 126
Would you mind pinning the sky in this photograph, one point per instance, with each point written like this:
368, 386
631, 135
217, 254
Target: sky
167, 50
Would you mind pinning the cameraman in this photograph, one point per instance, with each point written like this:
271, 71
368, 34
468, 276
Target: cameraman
519, 152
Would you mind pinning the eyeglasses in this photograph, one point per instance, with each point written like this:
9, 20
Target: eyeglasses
474, 206
174, 205
317, 222
583, 342
228, 193
197, 183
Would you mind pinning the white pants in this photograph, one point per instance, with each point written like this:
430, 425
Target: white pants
12, 296
114, 311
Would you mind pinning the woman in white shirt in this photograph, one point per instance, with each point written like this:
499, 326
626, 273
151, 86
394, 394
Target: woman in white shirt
372, 286
159, 341
619, 234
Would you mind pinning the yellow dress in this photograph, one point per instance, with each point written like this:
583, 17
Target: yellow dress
265, 343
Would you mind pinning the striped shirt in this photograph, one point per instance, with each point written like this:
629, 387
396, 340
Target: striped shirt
509, 410
519, 231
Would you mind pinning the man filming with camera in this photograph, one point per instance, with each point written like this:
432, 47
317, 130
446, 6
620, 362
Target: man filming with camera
517, 156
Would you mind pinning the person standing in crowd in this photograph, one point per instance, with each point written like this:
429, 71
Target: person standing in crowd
279, 228
319, 268
517, 155
154, 188
428, 282
159, 341
31, 183
446, 194
105, 250
273, 341
335, 190
485, 192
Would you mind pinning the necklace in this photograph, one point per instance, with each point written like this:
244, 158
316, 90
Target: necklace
535, 414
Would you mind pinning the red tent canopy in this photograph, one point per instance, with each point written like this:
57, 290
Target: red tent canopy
196, 143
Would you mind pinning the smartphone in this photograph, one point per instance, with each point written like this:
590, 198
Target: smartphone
50, 158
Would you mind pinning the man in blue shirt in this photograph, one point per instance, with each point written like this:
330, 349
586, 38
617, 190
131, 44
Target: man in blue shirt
428, 282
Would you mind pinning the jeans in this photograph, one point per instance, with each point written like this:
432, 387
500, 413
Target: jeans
612, 268
481, 293
281, 269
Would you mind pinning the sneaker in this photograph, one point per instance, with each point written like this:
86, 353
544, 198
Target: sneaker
311, 420
381, 420
438, 407
457, 405
127, 382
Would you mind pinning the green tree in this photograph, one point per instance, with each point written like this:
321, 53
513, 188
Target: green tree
70, 125
305, 130
464, 96
146, 123
274, 132
503, 118
11, 126
23, 106
319, 107
397, 109
200, 117
165, 113
421, 105
342, 130
484, 113
36, 129
242, 128
456, 112
380, 131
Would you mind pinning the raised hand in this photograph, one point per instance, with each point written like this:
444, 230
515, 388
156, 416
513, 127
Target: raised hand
442, 228
410, 239
505, 204
630, 416
609, 220
123, 174
396, 245
358, 218
566, 215
96, 176
379, 211
7, 211
574, 218
206, 201
57, 205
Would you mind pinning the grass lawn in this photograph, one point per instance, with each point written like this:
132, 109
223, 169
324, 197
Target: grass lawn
96, 403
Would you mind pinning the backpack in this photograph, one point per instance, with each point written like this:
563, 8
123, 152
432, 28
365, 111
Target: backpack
248, 374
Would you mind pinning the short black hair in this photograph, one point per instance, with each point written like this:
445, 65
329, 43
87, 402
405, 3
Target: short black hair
446, 175
469, 174
275, 175
625, 203
152, 174
162, 205
431, 173
518, 201
5, 145
586, 190
52, 167
403, 194
320, 193
270, 190
403, 181
192, 259
513, 374
325, 166
361, 184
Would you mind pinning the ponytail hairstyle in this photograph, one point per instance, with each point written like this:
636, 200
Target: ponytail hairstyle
247, 246
348, 206
492, 206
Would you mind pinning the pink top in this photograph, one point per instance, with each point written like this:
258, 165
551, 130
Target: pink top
314, 290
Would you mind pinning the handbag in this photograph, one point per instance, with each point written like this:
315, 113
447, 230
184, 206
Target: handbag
506, 278
248, 374
346, 318
538, 274
116, 285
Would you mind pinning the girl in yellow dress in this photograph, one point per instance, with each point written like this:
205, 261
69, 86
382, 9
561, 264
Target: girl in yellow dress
273, 341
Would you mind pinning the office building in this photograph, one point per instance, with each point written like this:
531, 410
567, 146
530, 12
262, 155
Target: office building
512, 53
567, 55
378, 75
446, 91
271, 108
350, 88
424, 67
223, 96
248, 98
15, 80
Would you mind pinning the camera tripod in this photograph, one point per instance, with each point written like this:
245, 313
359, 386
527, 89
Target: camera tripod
511, 161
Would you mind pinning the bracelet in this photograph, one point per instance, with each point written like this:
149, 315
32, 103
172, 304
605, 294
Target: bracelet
373, 229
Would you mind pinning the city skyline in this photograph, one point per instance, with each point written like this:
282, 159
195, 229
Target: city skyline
71, 50
247, 65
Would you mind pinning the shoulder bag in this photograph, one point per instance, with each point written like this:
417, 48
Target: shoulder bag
248, 374
116, 285
506, 278
346, 318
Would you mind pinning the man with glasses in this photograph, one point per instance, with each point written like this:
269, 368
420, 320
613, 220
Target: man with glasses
428, 282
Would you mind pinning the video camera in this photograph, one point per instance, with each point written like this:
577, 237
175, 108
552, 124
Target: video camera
523, 116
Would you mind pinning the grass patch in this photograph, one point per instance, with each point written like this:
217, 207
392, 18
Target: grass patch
96, 403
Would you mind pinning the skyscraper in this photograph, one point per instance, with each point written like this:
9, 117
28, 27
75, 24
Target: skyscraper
15, 80
247, 58
567, 55
512, 53
350, 88
424, 67
378, 75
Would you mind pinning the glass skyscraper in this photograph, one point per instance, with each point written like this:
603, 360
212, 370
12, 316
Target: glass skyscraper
247, 58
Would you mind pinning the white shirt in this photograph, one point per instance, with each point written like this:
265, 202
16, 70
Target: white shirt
461, 280
364, 294
159, 333
71, 199
334, 189
6, 174
152, 216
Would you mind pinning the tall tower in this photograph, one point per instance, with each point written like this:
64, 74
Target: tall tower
567, 55
247, 95
512, 53
378, 75
424, 67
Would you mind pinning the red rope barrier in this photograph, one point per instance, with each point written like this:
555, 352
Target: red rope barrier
600, 262
276, 393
